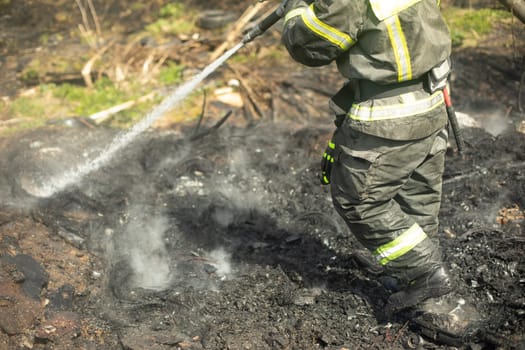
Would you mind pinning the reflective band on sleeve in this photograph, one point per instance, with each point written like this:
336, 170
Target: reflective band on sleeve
294, 13
401, 245
375, 113
400, 48
331, 144
386, 8
325, 31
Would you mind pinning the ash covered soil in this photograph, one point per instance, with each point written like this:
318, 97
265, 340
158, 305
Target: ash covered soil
228, 241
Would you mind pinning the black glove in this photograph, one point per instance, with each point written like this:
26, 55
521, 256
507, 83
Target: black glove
328, 160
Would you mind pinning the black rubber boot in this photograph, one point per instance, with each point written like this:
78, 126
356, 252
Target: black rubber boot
431, 285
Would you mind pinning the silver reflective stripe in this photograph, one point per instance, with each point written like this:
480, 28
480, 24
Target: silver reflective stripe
399, 48
325, 31
293, 13
401, 110
401, 245
386, 8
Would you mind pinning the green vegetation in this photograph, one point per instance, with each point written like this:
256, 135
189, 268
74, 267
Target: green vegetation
52, 101
29, 113
171, 74
30, 76
88, 101
55, 101
174, 19
137, 6
264, 57
468, 26
26, 107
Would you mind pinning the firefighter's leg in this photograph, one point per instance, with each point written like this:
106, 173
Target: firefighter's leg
365, 183
420, 197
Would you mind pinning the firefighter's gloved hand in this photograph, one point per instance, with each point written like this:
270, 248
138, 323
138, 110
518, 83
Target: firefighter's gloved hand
327, 162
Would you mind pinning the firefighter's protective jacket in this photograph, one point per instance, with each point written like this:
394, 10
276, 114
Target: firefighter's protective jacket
381, 41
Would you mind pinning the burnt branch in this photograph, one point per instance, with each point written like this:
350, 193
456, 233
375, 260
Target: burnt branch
517, 7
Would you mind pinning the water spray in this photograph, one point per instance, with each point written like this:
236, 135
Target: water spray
59, 183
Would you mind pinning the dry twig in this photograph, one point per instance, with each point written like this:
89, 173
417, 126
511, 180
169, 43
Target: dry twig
95, 17
101, 116
237, 29
213, 128
86, 70
12, 121
85, 27
521, 92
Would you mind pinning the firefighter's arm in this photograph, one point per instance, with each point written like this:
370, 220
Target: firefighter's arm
317, 32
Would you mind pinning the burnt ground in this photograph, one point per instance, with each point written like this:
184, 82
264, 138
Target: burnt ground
227, 240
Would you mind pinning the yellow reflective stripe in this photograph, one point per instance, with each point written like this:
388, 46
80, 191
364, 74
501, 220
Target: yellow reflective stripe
329, 157
401, 245
325, 31
387, 8
400, 48
401, 110
331, 144
293, 13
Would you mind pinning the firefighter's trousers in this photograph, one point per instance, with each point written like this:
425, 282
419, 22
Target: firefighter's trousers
389, 194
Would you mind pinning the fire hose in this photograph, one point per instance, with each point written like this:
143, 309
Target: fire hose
266, 23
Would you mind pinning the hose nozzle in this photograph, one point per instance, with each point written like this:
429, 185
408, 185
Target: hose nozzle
266, 23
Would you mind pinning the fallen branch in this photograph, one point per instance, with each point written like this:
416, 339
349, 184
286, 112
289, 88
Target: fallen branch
401, 331
201, 116
521, 90
85, 29
516, 7
101, 116
86, 70
157, 66
237, 29
13, 121
84, 15
248, 91
251, 98
95, 17
213, 128
482, 171
480, 229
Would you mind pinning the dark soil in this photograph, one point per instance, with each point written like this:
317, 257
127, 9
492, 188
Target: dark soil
227, 241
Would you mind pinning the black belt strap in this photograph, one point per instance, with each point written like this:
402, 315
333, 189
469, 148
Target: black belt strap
369, 90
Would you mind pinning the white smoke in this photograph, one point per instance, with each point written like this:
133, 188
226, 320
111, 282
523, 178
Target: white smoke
143, 243
491, 120
221, 261
495, 123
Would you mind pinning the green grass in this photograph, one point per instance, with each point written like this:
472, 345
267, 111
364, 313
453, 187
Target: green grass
469, 26
54, 101
26, 107
171, 74
174, 19
88, 101
51, 101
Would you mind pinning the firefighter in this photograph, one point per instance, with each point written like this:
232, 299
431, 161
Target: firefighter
385, 160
